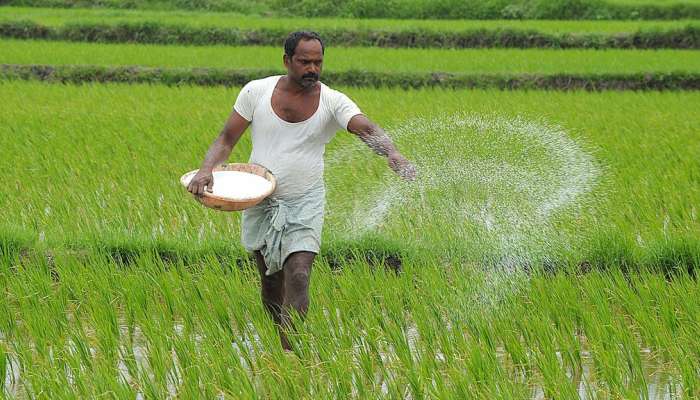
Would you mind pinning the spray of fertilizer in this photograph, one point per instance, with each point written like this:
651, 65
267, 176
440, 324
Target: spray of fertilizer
490, 184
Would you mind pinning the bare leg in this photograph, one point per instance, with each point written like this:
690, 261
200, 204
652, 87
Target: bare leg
297, 274
271, 289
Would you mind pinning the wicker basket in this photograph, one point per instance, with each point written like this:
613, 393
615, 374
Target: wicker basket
225, 204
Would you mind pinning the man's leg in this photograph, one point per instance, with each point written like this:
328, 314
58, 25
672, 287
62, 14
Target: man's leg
297, 274
271, 289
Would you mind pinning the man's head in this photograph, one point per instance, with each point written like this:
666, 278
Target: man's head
303, 57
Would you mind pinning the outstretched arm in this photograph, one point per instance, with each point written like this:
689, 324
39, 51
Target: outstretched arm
377, 140
218, 153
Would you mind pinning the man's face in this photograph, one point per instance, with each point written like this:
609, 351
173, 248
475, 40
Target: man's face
304, 67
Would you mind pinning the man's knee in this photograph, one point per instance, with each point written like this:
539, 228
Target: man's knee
299, 281
297, 275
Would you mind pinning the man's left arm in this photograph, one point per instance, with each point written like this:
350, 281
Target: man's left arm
377, 140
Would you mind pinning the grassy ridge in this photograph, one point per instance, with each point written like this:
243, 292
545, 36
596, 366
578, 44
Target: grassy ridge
79, 74
148, 32
484, 61
642, 211
410, 9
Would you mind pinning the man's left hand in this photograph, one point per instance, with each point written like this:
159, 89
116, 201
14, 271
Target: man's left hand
402, 166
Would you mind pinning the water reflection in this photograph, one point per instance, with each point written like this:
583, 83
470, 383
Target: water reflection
659, 382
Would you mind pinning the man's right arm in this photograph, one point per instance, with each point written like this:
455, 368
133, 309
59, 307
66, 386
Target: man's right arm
218, 153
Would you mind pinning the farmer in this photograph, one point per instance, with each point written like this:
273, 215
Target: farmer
292, 117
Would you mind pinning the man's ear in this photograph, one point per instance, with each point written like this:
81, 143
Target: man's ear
286, 60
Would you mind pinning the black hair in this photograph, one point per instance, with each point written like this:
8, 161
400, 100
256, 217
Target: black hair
290, 44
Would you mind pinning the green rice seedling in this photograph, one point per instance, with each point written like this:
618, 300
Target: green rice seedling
558, 335
4, 364
451, 10
383, 347
115, 302
625, 205
59, 16
685, 371
355, 59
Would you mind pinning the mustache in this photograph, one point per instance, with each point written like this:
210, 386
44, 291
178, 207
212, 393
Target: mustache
310, 75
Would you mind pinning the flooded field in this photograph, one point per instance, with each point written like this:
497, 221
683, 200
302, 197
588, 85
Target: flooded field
168, 331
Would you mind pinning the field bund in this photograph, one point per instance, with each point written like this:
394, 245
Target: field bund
201, 28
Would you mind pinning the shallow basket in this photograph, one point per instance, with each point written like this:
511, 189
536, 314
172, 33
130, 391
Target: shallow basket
226, 204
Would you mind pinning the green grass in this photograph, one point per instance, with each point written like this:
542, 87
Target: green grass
442, 331
59, 17
492, 61
97, 166
407, 9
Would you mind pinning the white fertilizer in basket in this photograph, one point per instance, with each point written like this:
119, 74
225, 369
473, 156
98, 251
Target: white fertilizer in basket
237, 185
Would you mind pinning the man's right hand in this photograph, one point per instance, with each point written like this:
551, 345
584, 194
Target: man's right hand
203, 178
